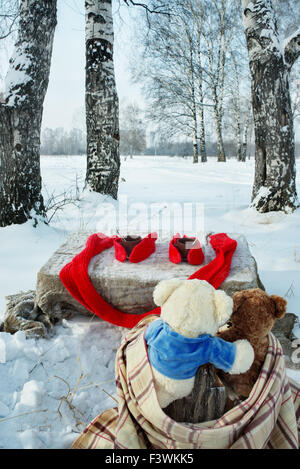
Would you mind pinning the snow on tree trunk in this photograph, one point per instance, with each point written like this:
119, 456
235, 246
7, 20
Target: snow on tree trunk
274, 185
102, 104
21, 114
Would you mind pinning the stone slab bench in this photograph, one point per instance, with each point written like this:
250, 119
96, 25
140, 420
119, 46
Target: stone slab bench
127, 286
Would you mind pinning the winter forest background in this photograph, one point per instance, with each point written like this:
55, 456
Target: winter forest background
182, 77
138, 93
155, 103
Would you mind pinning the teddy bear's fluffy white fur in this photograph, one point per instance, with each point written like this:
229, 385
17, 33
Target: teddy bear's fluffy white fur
191, 308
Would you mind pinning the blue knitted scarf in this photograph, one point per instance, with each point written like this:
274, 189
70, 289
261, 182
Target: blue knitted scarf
179, 357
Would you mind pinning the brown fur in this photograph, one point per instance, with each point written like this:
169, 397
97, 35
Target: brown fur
253, 317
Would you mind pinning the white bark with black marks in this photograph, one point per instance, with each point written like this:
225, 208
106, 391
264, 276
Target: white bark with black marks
216, 55
102, 105
236, 104
201, 119
21, 113
193, 97
274, 185
245, 137
292, 48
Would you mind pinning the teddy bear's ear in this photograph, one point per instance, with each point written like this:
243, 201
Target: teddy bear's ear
238, 299
164, 289
280, 306
223, 306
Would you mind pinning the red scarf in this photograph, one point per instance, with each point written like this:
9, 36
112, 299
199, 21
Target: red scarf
75, 277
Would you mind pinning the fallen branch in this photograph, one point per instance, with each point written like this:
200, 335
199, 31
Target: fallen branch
22, 415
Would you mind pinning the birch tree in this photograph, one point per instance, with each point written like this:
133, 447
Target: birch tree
215, 54
187, 68
101, 98
201, 117
194, 10
247, 129
21, 113
237, 115
236, 102
219, 27
270, 62
171, 82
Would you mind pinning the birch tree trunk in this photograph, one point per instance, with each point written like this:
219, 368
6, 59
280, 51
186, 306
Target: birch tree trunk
236, 103
219, 95
202, 142
102, 104
218, 125
244, 142
245, 137
195, 142
21, 114
274, 186
238, 139
193, 100
217, 81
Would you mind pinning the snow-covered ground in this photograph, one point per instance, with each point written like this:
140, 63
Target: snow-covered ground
51, 388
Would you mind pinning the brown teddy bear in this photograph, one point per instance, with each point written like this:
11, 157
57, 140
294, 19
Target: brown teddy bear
253, 317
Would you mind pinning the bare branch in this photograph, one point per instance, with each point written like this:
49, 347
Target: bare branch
8, 17
292, 48
160, 7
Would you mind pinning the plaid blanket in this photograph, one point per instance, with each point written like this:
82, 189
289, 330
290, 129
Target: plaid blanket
266, 419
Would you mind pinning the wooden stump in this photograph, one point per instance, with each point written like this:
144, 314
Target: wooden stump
206, 402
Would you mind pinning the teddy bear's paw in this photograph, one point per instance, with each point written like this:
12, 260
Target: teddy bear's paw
244, 357
165, 399
169, 390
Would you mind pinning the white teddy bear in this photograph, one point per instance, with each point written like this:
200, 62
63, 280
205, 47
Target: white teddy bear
182, 338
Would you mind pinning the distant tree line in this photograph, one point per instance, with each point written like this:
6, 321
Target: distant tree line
133, 142
186, 148
61, 142
167, 148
